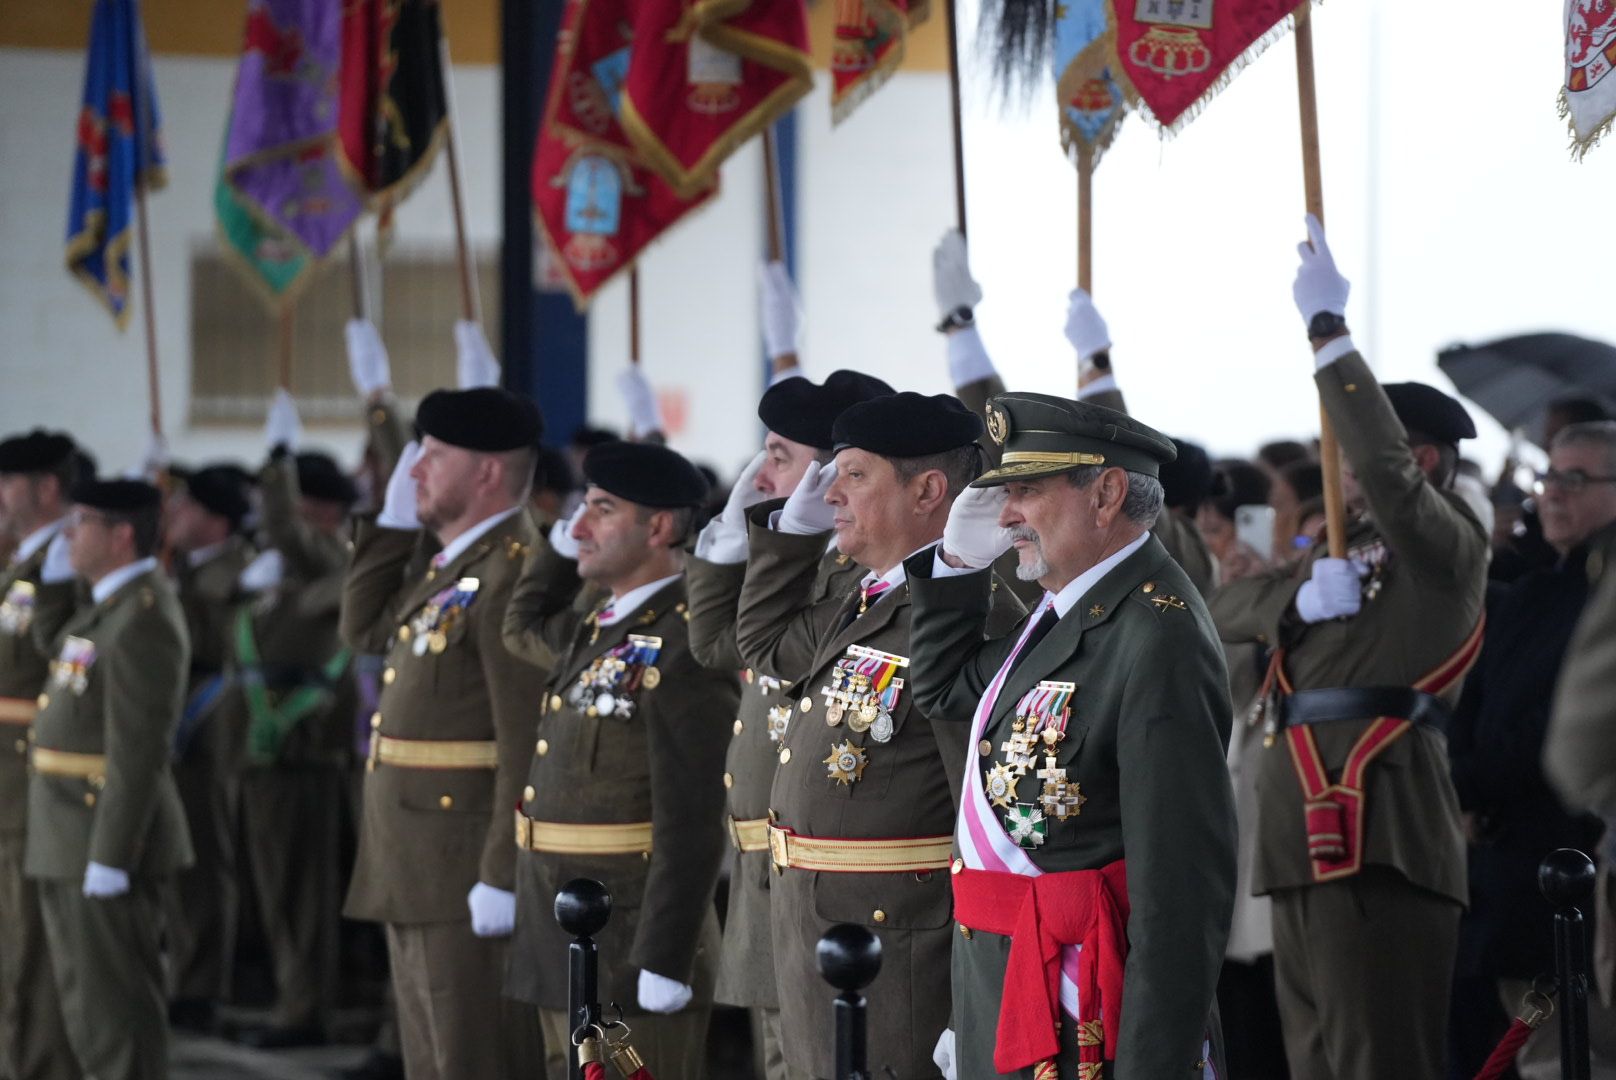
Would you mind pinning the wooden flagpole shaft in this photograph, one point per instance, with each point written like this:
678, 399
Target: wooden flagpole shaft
148, 307
634, 315
959, 125
287, 327
361, 284
1085, 220
1335, 509
772, 200
470, 302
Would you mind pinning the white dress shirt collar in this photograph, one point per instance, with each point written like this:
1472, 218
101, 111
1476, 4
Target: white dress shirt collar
37, 539
623, 606
120, 577
456, 547
1067, 598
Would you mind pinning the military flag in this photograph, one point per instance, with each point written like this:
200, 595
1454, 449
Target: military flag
114, 155
281, 153
394, 106
1090, 102
1588, 99
707, 77
598, 202
273, 263
868, 47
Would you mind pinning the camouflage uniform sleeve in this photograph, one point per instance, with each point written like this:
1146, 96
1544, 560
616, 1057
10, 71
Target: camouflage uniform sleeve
777, 628
372, 591
715, 594
540, 616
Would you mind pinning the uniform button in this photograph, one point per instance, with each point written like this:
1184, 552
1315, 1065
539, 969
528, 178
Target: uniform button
446, 801
375, 721
543, 747
1148, 587
403, 633
1351, 388
89, 798
965, 931
44, 700
785, 755
739, 727
592, 712
749, 676
22, 746
729, 781
555, 702
645, 856
879, 916
388, 676
807, 704
984, 748
957, 866
528, 793
98, 782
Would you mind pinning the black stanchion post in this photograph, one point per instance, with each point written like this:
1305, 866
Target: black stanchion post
850, 958
582, 907
1567, 880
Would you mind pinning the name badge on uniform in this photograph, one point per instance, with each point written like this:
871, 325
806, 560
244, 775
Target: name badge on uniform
71, 668
863, 690
17, 610
440, 615
605, 687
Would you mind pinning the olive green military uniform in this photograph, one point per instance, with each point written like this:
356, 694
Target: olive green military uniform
746, 970
33, 1043
102, 791
203, 908
633, 799
1145, 746
903, 788
1364, 958
291, 703
450, 745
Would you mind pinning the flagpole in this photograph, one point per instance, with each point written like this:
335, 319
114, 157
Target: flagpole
959, 127
470, 303
772, 200
1335, 511
288, 325
361, 287
148, 302
634, 315
1085, 219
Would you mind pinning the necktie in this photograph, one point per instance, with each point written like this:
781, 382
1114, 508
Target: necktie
438, 560
1046, 623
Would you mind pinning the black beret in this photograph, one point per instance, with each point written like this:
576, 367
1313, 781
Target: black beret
117, 496
907, 425
805, 412
1430, 412
36, 452
320, 477
486, 419
1187, 479
552, 471
1043, 435
586, 436
221, 490
645, 473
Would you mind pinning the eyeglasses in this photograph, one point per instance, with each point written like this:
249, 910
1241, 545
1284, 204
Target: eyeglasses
1571, 481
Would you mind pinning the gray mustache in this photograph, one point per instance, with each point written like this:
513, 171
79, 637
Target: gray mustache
1023, 532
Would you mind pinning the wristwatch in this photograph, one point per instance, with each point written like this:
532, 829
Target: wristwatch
1326, 324
958, 319
1101, 360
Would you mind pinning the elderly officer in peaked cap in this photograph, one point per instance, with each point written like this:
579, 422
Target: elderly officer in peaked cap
798, 415
105, 827
1095, 839
1359, 841
451, 738
862, 799
624, 783
36, 472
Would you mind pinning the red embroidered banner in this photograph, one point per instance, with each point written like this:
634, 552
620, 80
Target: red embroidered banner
868, 48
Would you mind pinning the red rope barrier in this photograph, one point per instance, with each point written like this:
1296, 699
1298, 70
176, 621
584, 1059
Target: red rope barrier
594, 1070
1503, 1055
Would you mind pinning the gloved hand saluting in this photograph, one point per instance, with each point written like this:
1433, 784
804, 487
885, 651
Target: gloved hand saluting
398, 505
723, 540
660, 994
972, 533
806, 512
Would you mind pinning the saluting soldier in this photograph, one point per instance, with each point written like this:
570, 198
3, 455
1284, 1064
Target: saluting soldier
202, 522
798, 415
625, 783
106, 830
1359, 840
36, 472
451, 739
863, 796
1095, 844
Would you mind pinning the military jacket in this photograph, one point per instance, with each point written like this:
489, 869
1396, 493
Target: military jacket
1145, 745
116, 687
746, 973
1427, 559
427, 835
904, 787
31, 613
656, 756
1579, 751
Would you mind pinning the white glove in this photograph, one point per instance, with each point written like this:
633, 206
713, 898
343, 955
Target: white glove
723, 540
263, 573
943, 1055
561, 538
153, 460
972, 533
643, 415
780, 311
58, 565
104, 882
367, 357
806, 512
1085, 328
474, 360
282, 426
398, 504
951, 280
1333, 592
493, 911
662, 995
1319, 285
968, 359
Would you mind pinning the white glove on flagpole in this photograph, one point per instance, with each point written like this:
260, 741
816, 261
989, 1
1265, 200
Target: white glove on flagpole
972, 533
398, 505
367, 357
561, 538
643, 416
474, 360
951, 280
780, 310
724, 538
806, 512
493, 911
1333, 592
943, 1055
104, 882
282, 426
662, 995
1319, 286
1085, 327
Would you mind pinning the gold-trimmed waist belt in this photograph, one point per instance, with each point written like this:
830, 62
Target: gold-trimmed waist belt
569, 838
750, 835
434, 753
897, 856
19, 711
48, 762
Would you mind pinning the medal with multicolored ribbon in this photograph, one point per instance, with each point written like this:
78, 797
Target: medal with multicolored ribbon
432, 624
604, 688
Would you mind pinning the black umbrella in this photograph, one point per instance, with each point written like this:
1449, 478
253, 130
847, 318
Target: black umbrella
1516, 379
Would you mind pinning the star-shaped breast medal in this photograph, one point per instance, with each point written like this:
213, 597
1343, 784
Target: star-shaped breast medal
846, 763
1000, 785
1026, 825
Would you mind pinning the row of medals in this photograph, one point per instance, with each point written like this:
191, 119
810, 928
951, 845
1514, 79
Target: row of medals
593, 693
1059, 797
431, 627
853, 698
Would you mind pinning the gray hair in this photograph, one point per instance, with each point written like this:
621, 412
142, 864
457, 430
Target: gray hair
1590, 433
959, 466
1143, 503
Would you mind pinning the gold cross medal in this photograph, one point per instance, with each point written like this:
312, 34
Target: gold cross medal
1000, 785
846, 763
